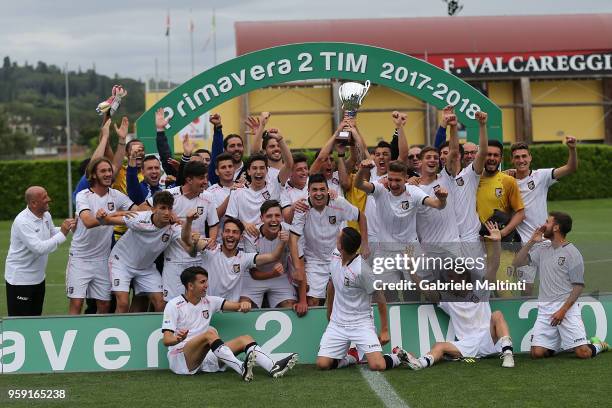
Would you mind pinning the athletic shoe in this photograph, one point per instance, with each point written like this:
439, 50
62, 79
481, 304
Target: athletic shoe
284, 365
508, 359
354, 353
407, 358
604, 346
247, 366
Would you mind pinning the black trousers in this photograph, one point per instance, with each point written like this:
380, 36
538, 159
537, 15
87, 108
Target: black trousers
25, 300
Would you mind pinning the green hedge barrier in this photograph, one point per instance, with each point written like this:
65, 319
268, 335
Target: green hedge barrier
591, 181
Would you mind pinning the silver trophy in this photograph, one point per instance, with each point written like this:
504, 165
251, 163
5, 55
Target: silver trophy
351, 95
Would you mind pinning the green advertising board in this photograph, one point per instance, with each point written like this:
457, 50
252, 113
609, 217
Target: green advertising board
321, 60
133, 342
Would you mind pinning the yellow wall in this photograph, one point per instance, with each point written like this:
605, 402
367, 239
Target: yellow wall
552, 123
501, 93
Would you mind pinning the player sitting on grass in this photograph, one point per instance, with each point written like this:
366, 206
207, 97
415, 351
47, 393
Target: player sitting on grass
193, 345
480, 333
349, 311
559, 324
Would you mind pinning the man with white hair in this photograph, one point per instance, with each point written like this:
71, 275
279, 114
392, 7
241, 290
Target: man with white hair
33, 237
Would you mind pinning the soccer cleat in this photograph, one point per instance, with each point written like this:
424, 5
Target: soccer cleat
247, 366
353, 353
284, 365
604, 346
508, 359
407, 358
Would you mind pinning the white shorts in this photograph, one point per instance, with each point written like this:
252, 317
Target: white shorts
171, 278
479, 345
317, 276
178, 365
565, 336
276, 289
144, 280
337, 339
88, 279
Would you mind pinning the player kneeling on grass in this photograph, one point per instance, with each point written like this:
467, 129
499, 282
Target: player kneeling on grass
480, 333
559, 324
349, 311
193, 345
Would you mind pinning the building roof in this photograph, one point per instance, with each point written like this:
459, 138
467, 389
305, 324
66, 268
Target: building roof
439, 35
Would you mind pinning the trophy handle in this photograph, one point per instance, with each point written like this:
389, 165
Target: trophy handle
365, 91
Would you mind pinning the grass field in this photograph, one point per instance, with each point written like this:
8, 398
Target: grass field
560, 382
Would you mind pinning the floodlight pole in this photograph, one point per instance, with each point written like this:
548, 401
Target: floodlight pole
68, 143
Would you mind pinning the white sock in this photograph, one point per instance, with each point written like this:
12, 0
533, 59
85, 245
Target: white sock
262, 359
597, 348
395, 359
506, 344
225, 355
426, 361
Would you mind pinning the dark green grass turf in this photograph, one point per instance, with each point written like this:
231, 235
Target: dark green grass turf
563, 381
592, 233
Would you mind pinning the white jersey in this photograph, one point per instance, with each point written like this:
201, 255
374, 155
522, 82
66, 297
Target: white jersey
353, 285
463, 188
143, 242
468, 319
433, 225
180, 314
534, 191
320, 229
273, 173
263, 245
95, 243
245, 203
207, 211
370, 209
397, 214
224, 272
290, 194
32, 239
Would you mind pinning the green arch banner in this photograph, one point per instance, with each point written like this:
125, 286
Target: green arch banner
321, 60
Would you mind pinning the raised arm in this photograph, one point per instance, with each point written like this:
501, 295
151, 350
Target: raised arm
522, 256
119, 155
217, 147
494, 256
483, 141
161, 141
103, 141
453, 162
363, 176
258, 127
399, 120
324, 153
572, 161
287, 168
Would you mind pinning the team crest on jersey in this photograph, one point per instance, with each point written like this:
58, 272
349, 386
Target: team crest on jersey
236, 268
561, 261
531, 185
347, 282
71, 290
205, 314
165, 237
200, 210
335, 181
165, 293
332, 219
110, 206
460, 181
405, 205
116, 282
436, 188
498, 192
266, 195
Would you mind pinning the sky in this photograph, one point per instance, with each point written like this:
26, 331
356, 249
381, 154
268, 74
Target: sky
127, 37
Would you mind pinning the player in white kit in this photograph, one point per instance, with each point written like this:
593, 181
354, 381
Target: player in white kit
87, 272
396, 207
349, 310
319, 226
187, 197
534, 185
272, 280
227, 263
133, 256
480, 332
244, 204
559, 325
194, 345
295, 191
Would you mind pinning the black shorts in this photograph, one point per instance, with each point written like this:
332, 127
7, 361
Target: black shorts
25, 300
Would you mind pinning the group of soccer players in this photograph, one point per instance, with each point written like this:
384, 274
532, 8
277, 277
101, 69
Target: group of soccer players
274, 232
